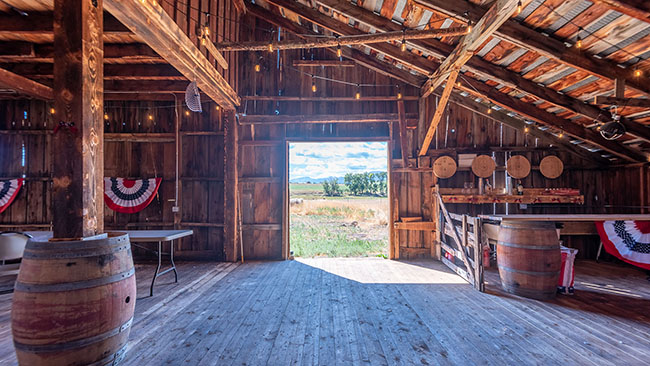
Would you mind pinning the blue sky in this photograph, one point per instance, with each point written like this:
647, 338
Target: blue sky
334, 159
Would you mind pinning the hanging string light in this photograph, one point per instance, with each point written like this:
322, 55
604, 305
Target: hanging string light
637, 72
403, 47
526, 129
561, 134
258, 67
339, 51
357, 96
399, 93
52, 110
519, 7
106, 116
313, 84
206, 27
217, 107
469, 21
578, 42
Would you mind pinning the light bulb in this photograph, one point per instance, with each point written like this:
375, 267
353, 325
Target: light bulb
469, 27
52, 110
206, 30
561, 135
258, 68
313, 87
489, 111
155, 3
106, 116
458, 84
357, 96
579, 42
637, 72
431, 89
217, 108
203, 41
339, 52
150, 117
403, 47
526, 129
270, 47
399, 95
187, 113
519, 7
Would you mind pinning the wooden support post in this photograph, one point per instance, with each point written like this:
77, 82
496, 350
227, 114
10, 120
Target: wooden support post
231, 188
619, 88
478, 253
439, 111
402, 133
77, 145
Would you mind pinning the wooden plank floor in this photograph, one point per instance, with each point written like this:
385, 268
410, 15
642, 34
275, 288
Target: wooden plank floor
379, 312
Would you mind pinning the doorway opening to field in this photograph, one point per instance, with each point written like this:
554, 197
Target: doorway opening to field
338, 199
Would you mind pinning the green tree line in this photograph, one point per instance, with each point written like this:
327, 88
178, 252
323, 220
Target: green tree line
359, 184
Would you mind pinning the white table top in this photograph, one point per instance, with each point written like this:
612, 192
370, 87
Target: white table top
136, 236
568, 217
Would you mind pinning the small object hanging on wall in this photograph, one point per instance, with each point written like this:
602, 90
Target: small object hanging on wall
483, 166
518, 166
129, 195
193, 98
444, 167
551, 167
520, 188
8, 191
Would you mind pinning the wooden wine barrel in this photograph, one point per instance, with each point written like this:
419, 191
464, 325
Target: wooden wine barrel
73, 302
529, 260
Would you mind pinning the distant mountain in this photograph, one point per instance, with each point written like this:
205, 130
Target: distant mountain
319, 180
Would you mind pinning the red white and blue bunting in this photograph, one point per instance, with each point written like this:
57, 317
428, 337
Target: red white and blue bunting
128, 195
627, 240
8, 191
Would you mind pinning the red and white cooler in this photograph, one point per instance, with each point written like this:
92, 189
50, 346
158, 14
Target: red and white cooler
565, 282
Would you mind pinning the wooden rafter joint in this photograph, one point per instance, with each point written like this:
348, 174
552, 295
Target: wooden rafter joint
621, 102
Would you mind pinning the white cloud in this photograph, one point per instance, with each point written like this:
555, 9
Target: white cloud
334, 159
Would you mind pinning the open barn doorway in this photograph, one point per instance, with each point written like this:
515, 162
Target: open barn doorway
338, 199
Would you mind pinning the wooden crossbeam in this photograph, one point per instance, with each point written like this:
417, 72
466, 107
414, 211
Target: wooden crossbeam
484, 68
370, 98
498, 13
522, 36
323, 63
358, 39
628, 102
322, 118
355, 55
442, 103
24, 85
162, 34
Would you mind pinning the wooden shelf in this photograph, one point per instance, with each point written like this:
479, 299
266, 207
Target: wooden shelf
416, 225
523, 199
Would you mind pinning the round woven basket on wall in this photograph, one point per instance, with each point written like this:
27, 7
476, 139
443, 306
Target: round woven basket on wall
444, 167
518, 166
551, 167
483, 166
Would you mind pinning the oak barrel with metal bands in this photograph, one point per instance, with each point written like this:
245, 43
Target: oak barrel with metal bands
73, 302
529, 259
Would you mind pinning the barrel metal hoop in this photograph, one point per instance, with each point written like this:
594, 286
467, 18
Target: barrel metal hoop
71, 286
112, 360
47, 348
94, 252
535, 247
532, 273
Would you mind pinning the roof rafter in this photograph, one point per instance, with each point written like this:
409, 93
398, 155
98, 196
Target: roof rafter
527, 38
357, 56
639, 9
486, 69
498, 13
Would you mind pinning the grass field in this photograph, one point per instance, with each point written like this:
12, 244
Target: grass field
337, 226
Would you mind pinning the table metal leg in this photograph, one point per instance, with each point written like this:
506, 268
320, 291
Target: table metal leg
171, 254
155, 275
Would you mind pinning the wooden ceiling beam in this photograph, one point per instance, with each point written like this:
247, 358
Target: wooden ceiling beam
111, 72
353, 40
355, 55
322, 118
486, 69
639, 9
162, 34
323, 63
25, 86
530, 111
545, 45
409, 59
498, 13
114, 53
623, 102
